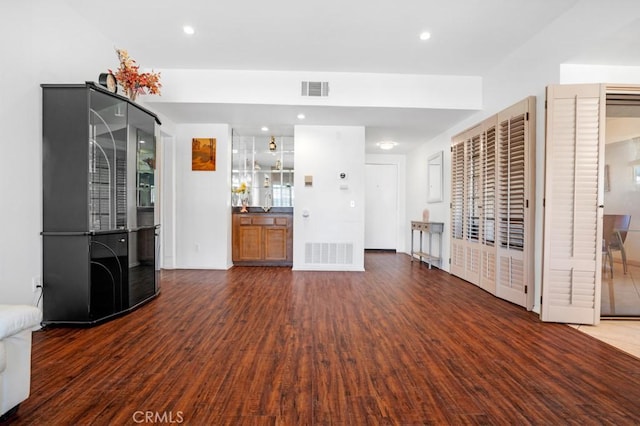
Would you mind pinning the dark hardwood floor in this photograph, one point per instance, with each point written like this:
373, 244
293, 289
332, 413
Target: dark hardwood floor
398, 344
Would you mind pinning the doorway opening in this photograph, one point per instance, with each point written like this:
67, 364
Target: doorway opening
621, 222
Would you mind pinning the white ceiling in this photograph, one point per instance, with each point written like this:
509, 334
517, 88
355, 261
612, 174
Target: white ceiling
334, 35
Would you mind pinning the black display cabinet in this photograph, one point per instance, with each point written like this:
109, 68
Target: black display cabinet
100, 239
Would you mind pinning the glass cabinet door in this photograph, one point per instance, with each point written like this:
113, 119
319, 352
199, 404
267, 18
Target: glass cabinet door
107, 162
145, 169
142, 144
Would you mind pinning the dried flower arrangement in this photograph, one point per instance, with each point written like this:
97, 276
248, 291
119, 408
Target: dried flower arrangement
132, 80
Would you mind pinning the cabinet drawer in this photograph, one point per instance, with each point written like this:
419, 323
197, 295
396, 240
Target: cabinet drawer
434, 227
245, 220
420, 226
262, 220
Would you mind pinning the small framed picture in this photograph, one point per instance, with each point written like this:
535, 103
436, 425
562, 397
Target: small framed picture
203, 154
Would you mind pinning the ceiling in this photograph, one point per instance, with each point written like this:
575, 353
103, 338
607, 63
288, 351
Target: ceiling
379, 36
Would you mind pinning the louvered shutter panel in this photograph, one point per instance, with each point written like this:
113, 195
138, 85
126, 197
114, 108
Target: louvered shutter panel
515, 189
488, 231
473, 190
573, 220
457, 208
512, 183
472, 208
489, 186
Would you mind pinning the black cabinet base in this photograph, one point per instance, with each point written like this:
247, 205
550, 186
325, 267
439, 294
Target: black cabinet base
89, 279
92, 323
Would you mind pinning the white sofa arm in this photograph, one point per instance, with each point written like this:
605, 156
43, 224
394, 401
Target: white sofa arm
16, 324
16, 318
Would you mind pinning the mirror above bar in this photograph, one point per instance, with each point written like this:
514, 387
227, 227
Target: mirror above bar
262, 171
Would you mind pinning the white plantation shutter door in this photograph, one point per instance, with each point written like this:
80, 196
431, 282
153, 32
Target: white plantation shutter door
491, 187
573, 218
457, 208
487, 225
472, 208
515, 193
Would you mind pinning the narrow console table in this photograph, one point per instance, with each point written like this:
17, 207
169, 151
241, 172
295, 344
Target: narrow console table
431, 229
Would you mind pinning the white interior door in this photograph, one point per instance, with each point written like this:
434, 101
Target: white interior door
572, 256
381, 200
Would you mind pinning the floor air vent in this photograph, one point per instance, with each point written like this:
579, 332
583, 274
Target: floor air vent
315, 88
329, 253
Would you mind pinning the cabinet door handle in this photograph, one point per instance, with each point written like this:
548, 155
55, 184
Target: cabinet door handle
122, 240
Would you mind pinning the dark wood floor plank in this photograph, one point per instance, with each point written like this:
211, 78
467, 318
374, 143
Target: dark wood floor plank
396, 344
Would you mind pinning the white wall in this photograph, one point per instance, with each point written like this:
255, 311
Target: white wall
345, 89
581, 73
335, 215
43, 41
166, 157
202, 219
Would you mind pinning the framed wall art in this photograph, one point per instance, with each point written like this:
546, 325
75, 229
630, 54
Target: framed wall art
203, 154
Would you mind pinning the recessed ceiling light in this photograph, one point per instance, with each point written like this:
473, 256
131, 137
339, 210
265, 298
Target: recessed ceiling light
425, 35
386, 145
264, 129
300, 116
188, 29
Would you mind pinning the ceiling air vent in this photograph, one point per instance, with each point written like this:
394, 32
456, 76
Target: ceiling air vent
315, 88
